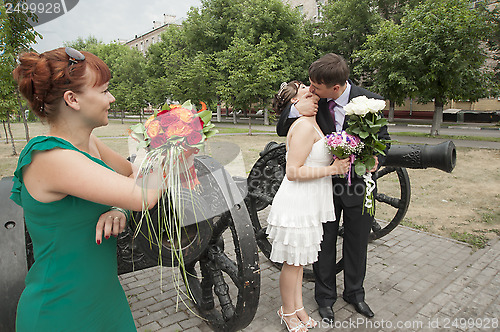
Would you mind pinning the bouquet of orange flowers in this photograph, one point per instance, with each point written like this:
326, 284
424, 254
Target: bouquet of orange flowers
165, 148
177, 131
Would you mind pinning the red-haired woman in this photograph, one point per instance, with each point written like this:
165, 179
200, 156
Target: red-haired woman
73, 189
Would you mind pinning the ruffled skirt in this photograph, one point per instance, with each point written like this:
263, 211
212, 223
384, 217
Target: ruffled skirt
295, 227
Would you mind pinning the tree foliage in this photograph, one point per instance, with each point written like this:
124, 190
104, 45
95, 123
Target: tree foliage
238, 51
16, 36
345, 27
437, 53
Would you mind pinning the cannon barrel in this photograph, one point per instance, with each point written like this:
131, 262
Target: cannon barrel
442, 156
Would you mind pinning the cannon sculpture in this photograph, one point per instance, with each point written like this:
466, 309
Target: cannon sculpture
220, 252
267, 173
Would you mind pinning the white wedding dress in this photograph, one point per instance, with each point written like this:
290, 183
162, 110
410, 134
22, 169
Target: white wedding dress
299, 208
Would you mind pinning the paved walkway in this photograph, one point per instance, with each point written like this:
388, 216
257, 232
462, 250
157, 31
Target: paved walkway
415, 281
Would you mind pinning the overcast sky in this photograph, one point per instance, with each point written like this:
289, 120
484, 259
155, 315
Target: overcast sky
109, 20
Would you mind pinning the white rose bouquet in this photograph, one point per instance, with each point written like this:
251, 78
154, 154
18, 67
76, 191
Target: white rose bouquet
365, 121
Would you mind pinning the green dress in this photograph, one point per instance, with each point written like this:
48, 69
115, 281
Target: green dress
73, 284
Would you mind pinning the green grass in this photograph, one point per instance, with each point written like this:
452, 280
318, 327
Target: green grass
476, 241
455, 137
225, 130
411, 224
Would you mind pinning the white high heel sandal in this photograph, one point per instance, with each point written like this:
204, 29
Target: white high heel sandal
311, 323
282, 316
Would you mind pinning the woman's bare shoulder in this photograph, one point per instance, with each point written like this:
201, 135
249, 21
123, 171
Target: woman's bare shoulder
304, 125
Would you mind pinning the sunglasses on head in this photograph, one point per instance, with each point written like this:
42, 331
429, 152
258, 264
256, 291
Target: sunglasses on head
74, 56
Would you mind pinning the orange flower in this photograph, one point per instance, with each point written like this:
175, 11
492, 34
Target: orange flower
203, 106
184, 114
178, 129
154, 128
151, 118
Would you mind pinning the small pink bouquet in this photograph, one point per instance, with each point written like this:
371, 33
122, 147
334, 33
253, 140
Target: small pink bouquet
343, 145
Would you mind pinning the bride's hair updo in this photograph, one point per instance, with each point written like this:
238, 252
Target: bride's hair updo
285, 94
44, 78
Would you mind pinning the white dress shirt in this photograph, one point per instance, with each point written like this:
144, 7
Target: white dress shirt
339, 108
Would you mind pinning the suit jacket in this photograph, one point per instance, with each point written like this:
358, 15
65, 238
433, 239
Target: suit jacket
350, 195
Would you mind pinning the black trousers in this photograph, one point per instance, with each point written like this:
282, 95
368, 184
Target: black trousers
357, 228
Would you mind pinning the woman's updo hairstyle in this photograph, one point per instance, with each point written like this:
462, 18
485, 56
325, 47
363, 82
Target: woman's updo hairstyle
286, 92
44, 78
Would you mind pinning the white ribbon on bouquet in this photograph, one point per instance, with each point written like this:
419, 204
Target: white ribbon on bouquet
370, 187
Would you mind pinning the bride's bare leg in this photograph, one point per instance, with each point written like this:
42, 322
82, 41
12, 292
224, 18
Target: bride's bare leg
288, 288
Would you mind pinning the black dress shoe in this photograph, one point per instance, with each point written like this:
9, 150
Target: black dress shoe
363, 309
326, 314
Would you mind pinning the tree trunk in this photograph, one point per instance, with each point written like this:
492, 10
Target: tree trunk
234, 116
14, 153
266, 117
438, 117
391, 110
123, 114
249, 125
22, 112
5, 130
219, 115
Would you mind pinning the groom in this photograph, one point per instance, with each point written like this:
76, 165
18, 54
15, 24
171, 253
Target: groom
329, 80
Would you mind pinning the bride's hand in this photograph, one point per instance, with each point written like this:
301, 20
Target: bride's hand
340, 166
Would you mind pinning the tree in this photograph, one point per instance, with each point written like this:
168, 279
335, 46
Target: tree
214, 33
85, 44
128, 75
345, 26
16, 36
394, 9
438, 54
446, 53
383, 59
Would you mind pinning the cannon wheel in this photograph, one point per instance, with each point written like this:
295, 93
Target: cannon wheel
266, 176
228, 269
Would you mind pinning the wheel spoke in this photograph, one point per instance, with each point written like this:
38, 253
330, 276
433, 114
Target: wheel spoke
383, 172
392, 201
261, 234
221, 288
261, 197
225, 264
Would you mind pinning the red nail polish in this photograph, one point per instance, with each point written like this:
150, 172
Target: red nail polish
98, 242
106, 237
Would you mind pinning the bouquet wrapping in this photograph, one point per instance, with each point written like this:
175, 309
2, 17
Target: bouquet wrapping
165, 147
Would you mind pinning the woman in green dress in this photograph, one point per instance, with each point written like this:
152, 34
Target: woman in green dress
74, 190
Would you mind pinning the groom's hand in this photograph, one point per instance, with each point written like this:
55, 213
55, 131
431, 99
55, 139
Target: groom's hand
374, 169
308, 104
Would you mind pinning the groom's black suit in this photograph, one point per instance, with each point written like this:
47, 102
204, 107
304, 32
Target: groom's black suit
349, 202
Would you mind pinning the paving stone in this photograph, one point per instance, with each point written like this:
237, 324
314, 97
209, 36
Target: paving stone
153, 326
411, 277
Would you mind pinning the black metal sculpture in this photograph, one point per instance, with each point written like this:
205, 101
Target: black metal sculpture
267, 173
